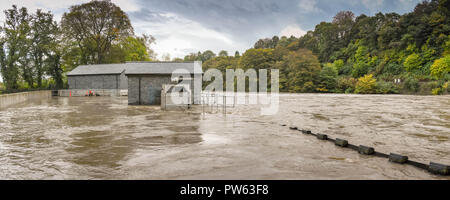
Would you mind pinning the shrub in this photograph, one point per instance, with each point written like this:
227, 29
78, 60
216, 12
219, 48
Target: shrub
386, 88
411, 84
308, 87
346, 84
436, 91
349, 90
366, 85
441, 67
392, 68
23, 85
447, 77
427, 87
446, 87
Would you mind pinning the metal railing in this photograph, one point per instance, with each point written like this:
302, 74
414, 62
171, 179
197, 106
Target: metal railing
216, 100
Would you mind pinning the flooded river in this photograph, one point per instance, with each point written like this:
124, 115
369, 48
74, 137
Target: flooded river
104, 138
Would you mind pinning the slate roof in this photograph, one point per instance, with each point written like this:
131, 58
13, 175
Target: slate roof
138, 68
101, 69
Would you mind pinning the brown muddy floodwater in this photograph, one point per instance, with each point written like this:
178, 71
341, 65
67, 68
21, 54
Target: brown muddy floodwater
104, 138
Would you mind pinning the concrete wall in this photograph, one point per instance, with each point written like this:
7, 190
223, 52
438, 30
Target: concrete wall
11, 99
197, 88
98, 82
85, 92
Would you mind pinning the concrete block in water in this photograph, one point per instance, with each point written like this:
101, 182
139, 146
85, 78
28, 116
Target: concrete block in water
397, 158
322, 136
366, 150
293, 128
437, 168
341, 142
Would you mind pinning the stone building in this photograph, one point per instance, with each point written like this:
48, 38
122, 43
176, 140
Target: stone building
143, 80
103, 76
146, 79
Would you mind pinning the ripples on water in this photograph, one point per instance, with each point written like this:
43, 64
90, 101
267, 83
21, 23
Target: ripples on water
104, 138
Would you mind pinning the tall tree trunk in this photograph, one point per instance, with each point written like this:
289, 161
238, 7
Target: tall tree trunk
39, 70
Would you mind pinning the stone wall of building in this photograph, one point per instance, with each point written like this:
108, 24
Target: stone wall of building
97, 82
151, 85
123, 83
148, 90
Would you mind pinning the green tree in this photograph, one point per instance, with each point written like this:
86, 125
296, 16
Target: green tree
55, 68
413, 62
360, 69
193, 57
15, 45
328, 40
361, 62
221, 63
299, 71
327, 79
237, 54
344, 21
94, 27
206, 55
267, 43
223, 53
131, 48
44, 31
257, 59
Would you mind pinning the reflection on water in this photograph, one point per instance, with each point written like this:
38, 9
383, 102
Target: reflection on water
104, 138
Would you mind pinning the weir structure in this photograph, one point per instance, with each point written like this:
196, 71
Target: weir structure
11, 99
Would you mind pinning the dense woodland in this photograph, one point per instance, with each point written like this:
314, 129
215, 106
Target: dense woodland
351, 54
363, 54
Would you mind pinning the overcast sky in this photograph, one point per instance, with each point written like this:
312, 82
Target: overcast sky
184, 26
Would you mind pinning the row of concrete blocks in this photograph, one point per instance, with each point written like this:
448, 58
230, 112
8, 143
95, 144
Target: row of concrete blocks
435, 168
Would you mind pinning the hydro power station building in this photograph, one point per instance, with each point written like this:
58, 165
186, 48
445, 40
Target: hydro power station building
143, 80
